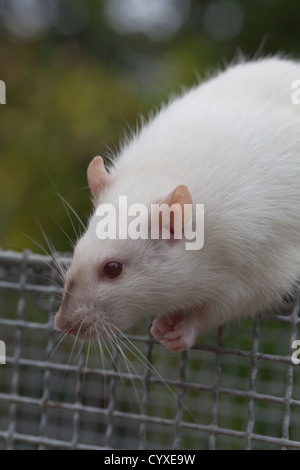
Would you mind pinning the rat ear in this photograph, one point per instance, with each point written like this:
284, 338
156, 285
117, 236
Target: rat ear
180, 195
97, 176
179, 208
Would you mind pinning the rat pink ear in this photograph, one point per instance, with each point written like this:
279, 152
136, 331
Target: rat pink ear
181, 196
97, 176
179, 207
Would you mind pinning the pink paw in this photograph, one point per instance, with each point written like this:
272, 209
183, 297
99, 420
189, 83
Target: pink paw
176, 332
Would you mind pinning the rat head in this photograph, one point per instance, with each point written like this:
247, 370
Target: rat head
111, 283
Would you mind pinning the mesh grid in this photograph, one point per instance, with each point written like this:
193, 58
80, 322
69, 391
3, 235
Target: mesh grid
236, 389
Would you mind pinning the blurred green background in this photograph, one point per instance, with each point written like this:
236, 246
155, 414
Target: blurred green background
79, 72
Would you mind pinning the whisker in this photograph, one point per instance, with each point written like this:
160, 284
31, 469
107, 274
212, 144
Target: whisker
128, 365
61, 270
102, 357
65, 203
74, 344
87, 356
131, 370
50, 280
54, 260
72, 243
63, 334
140, 356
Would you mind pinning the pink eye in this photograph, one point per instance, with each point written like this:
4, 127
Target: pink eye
112, 269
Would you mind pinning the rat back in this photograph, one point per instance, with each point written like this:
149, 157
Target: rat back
234, 141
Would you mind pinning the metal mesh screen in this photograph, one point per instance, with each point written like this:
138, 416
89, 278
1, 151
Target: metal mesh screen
236, 389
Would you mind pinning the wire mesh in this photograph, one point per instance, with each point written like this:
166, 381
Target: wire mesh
236, 389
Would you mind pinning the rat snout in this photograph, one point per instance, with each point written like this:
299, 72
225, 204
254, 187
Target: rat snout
61, 323
65, 319
67, 323
76, 323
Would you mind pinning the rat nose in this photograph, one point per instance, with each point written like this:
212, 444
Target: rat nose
62, 323
58, 322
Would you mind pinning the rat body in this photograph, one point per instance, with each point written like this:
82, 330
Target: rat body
231, 143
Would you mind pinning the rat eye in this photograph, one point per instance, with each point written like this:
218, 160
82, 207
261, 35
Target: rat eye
112, 269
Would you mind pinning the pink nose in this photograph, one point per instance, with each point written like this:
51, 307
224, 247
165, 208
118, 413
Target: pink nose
62, 324
70, 332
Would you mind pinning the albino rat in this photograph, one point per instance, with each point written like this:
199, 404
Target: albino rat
231, 143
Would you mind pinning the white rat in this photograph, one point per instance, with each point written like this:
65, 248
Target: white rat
231, 143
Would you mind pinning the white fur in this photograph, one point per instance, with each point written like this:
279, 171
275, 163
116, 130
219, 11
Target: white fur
234, 141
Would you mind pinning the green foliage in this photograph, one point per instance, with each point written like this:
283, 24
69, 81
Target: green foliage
57, 118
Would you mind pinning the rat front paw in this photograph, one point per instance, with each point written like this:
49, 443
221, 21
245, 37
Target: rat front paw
176, 332
165, 324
